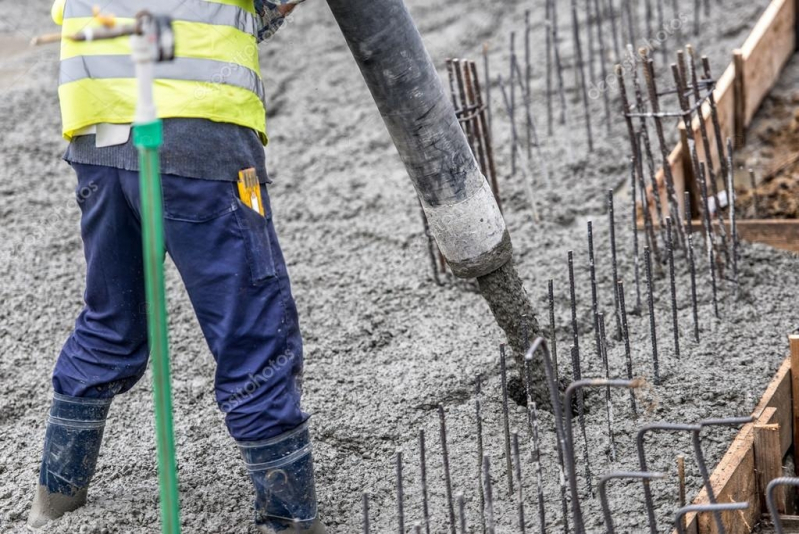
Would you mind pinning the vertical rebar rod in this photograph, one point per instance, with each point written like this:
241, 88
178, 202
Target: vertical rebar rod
423, 481
462, 512
487, 73
548, 27
589, 30
628, 358
573, 302
532, 417
456, 70
614, 29
431, 246
594, 301
708, 238
505, 417
649, 75
489, 495
714, 115
675, 322
530, 120
518, 469
576, 376
681, 479
608, 398
603, 71
400, 495
558, 62
485, 127
631, 33
614, 264
691, 263
634, 220
661, 28
365, 513
636, 160
512, 103
474, 121
733, 225
580, 69
526, 82
447, 477
651, 301
552, 337
479, 419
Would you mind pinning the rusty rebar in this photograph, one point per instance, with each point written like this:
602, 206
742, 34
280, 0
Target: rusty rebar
447, 477
423, 481
675, 321
505, 417
652, 327
628, 359
691, 263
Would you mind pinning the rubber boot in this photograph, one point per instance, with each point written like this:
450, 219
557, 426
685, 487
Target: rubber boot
281, 470
71, 446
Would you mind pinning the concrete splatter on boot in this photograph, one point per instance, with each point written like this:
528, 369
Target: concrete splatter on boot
71, 446
281, 470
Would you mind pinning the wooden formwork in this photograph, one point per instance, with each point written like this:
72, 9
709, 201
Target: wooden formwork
739, 91
756, 455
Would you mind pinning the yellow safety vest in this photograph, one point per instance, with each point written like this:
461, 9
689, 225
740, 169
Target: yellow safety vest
215, 74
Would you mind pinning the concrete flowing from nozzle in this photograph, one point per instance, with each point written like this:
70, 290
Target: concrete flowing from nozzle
457, 200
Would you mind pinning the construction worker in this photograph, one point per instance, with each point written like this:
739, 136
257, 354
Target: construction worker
211, 98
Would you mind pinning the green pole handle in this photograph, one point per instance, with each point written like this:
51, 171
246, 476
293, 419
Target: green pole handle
148, 138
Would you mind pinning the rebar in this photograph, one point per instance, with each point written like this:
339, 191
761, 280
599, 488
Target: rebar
479, 419
487, 73
637, 165
518, 470
608, 398
639, 441
627, 352
533, 131
651, 301
614, 29
512, 104
526, 82
423, 481
708, 238
532, 416
554, 397
580, 70
592, 272
681, 479
771, 503
590, 13
614, 265
691, 264
548, 27
651, 82
603, 495
365, 513
573, 302
631, 33
552, 337
558, 63
715, 508
733, 225
400, 496
485, 127
603, 71
661, 28
675, 322
455, 69
462, 513
589, 477
714, 115
634, 220
447, 477
505, 417
489, 495
474, 120
431, 246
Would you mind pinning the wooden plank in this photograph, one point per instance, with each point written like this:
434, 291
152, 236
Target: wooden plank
734, 478
766, 51
768, 456
778, 233
794, 342
739, 98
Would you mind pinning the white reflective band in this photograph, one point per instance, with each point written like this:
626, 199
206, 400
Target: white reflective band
182, 10
181, 68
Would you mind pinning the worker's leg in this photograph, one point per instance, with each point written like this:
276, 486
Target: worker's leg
233, 269
107, 351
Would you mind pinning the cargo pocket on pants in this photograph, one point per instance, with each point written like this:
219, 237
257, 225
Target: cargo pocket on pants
255, 232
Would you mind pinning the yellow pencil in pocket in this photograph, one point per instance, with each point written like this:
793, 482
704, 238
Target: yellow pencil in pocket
250, 190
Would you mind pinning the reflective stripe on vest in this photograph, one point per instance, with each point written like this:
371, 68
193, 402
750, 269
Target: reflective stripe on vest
205, 12
215, 74
181, 68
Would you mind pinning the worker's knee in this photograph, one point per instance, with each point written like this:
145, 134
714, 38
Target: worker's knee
99, 370
264, 401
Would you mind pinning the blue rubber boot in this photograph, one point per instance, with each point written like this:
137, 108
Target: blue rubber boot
71, 446
281, 470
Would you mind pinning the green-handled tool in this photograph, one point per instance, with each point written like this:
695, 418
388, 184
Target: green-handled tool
154, 42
